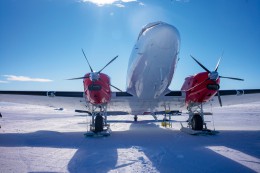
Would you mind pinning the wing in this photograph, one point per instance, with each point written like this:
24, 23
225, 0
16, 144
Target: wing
234, 97
121, 102
65, 99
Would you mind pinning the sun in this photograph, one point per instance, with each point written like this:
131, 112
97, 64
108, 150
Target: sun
108, 2
101, 2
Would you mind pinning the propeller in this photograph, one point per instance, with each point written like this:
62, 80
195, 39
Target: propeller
213, 75
216, 69
233, 78
111, 85
219, 99
77, 78
200, 64
87, 60
108, 64
115, 87
94, 76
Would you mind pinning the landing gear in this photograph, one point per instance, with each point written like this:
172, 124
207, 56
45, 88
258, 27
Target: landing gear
0, 117
196, 117
135, 118
98, 125
196, 122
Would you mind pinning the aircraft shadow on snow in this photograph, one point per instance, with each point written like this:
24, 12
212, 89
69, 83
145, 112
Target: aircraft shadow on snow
165, 148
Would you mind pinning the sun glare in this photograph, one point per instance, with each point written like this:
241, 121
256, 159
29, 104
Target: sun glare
101, 2
237, 156
108, 2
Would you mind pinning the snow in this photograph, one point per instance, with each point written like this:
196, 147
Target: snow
242, 158
47, 139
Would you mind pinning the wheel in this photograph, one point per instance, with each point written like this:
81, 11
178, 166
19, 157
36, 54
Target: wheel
197, 122
99, 123
135, 118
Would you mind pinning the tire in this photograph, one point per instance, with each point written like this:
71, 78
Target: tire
135, 118
99, 123
197, 122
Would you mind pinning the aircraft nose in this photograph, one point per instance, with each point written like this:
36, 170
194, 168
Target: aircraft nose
167, 37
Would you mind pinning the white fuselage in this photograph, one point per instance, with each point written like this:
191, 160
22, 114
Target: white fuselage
153, 61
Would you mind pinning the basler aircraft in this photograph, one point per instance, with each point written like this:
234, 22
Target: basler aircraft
150, 71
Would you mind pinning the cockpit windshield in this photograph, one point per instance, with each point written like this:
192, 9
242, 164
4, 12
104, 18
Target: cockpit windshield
150, 25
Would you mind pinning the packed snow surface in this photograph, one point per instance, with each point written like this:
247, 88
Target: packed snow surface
47, 139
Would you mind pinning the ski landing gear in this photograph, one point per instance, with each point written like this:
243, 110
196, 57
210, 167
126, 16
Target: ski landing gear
0, 117
196, 122
135, 118
98, 126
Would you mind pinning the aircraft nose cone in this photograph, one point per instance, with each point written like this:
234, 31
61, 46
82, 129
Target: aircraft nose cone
167, 36
153, 60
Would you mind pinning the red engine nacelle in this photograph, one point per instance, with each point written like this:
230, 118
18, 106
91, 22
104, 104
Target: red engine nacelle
199, 88
97, 92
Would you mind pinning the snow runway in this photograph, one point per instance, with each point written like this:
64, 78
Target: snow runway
41, 139
237, 156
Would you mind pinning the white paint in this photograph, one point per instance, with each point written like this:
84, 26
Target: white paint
156, 48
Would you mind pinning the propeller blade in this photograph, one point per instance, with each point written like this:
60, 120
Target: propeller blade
233, 78
216, 69
219, 99
111, 85
87, 60
79, 78
107, 64
200, 64
115, 87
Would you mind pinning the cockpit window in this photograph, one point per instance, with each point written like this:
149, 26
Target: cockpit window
94, 87
150, 25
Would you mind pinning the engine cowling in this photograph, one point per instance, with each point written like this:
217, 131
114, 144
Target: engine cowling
199, 88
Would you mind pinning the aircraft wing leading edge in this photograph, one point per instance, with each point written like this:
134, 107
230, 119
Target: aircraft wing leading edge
234, 97
123, 101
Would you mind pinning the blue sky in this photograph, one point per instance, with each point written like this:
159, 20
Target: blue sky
42, 40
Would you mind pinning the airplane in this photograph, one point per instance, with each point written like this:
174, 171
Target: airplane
150, 71
0, 117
